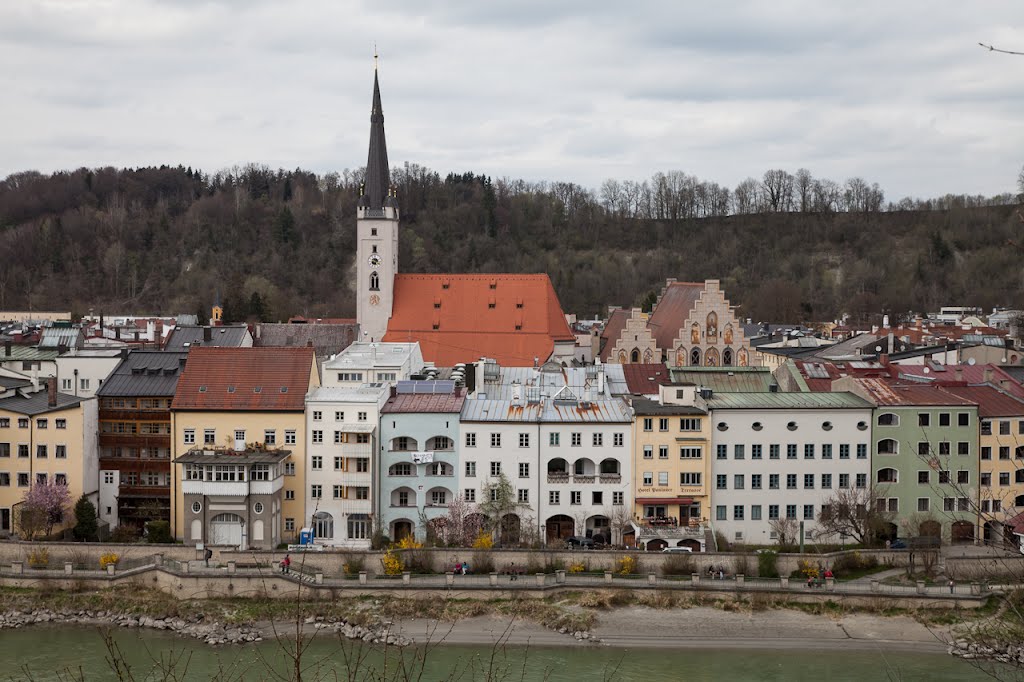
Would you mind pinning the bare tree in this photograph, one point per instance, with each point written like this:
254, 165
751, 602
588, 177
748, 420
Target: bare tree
785, 530
849, 511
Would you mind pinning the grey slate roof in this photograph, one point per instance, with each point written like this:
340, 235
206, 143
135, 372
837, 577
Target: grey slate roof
144, 373
221, 337
646, 406
327, 339
38, 403
377, 185
548, 411
786, 401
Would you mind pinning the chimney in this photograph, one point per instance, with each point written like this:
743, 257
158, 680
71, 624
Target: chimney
117, 333
7, 348
51, 391
988, 375
958, 374
207, 334
151, 330
883, 359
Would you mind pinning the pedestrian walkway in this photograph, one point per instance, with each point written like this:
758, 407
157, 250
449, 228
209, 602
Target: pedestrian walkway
880, 576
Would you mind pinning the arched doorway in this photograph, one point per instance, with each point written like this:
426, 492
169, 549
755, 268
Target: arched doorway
511, 530
401, 529
558, 528
962, 532
931, 529
599, 529
692, 544
656, 545
323, 525
226, 529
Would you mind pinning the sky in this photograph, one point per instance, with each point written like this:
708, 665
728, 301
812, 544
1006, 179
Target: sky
898, 93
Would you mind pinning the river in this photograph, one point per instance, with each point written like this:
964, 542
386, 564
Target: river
49, 652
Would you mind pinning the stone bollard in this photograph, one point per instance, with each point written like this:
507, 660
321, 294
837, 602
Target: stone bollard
874, 586
186, 567
69, 568
362, 577
449, 578
110, 569
540, 580
406, 578
975, 588
318, 578
784, 582
231, 567
652, 578
158, 559
17, 567
607, 576
275, 566
830, 584
695, 579
920, 587
740, 579
559, 576
494, 579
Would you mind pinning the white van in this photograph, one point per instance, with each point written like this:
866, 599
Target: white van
676, 550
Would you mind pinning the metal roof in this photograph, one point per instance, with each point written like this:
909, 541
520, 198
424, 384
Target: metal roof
327, 338
183, 338
786, 401
144, 373
426, 402
200, 456
726, 379
548, 411
646, 406
25, 353
38, 403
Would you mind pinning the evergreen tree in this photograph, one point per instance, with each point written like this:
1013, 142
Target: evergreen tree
256, 307
284, 227
85, 520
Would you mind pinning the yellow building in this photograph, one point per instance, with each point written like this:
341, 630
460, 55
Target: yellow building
45, 437
671, 468
999, 494
234, 400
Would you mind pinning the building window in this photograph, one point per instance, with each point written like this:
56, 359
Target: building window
755, 451
663, 424
720, 513
317, 462
197, 507
401, 469
826, 481
439, 498
1004, 452
41, 452
524, 440
737, 451
689, 424
986, 452
470, 440
289, 437
721, 482
597, 439
648, 478
524, 470
844, 451
944, 418
469, 495
790, 481
318, 436
66, 384
338, 492
22, 422
1004, 428
663, 478
361, 416
270, 436
648, 452
986, 428
495, 440
339, 416
790, 511
924, 477
963, 477
22, 450
755, 481
722, 451
209, 436
83, 384
22, 480
553, 439
737, 512
190, 436
986, 480
808, 481
60, 451
923, 419
737, 482
577, 440
773, 451
963, 448
773, 481
662, 452
618, 498
862, 480
317, 415
791, 451
289, 524
690, 478
289, 494
554, 497
690, 453
809, 451
495, 468
808, 512
524, 496
42, 423
576, 497
648, 424
470, 469
964, 419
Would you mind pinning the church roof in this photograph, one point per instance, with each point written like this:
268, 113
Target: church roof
377, 185
512, 318
671, 311
612, 331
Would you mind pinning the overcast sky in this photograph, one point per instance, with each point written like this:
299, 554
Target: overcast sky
897, 92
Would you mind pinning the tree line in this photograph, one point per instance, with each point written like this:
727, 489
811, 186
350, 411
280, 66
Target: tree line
788, 247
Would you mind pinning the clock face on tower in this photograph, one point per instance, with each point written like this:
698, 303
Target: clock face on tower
375, 260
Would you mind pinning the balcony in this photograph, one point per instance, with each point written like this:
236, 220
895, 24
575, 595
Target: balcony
610, 478
582, 478
558, 477
131, 415
232, 488
154, 491
355, 449
135, 440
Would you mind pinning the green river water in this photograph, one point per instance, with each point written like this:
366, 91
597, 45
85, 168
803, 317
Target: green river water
48, 652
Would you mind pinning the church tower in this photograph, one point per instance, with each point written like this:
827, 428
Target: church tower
376, 233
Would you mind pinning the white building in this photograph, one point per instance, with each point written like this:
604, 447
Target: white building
82, 372
781, 456
366, 363
567, 459
342, 427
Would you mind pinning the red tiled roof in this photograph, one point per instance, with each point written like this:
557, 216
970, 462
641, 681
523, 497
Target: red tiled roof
882, 392
425, 402
671, 312
991, 401
461, 318
612, 331
645, 379
227, 379
968, 374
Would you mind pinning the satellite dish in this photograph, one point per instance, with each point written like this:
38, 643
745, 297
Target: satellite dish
926, 370
972, 362
878, 349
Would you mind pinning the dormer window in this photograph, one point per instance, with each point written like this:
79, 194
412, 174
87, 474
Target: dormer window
494, 284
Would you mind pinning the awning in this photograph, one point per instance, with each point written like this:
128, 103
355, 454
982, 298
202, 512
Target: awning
664, 500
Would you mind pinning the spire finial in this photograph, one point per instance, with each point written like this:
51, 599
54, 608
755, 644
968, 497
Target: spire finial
375, 56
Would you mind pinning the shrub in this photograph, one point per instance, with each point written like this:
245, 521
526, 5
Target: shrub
767, 564
408, 542
484, 563
392, 563
158, 532
379, 540
741, 564
109, 559
576, 567
125, 534
807, 569
39, 558
853, 561
628, 565
484, 540
677, 564
354, 563
721, 542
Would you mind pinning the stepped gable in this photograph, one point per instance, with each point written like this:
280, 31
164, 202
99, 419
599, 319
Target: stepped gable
512, 318
672, 310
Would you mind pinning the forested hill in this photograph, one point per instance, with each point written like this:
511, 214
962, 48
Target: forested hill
276, 243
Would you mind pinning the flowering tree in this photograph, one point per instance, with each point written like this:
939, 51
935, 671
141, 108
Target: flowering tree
43, 507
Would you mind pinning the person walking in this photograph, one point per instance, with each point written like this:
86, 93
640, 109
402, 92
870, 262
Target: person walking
286, 564
512, 571
952, 586
206, 556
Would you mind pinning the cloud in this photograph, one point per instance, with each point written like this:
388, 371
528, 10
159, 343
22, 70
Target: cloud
897, 93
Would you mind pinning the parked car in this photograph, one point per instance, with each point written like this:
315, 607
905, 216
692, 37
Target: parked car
677, 550
576, 541
898, 543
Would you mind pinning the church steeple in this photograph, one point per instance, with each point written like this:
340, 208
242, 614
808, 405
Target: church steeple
377, 191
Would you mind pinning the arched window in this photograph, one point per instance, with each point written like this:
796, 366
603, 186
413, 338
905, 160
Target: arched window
323, 525
1018, 476
727, 357
711, 328
888, 446
888, 419
888, 475
374, 281
695, 357
634, 356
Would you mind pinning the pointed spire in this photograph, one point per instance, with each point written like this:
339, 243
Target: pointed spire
377, 191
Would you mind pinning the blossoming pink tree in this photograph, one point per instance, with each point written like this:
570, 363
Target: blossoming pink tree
43, 507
